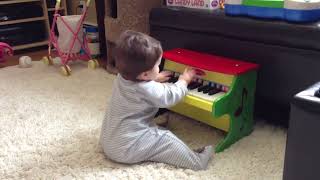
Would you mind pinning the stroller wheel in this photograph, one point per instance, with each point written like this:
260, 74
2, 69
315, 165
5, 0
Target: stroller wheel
66, 70
92, 64
97, 63
47, 60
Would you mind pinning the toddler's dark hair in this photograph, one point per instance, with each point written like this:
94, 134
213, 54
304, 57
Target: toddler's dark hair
135, 53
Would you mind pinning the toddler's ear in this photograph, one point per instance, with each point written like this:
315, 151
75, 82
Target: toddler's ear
143, 76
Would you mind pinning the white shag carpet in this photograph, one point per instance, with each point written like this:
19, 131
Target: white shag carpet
50, 125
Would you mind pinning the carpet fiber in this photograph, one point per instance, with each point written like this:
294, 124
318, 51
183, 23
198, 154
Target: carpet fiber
50, 125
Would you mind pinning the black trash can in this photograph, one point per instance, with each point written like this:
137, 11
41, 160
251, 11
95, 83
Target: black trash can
302, 156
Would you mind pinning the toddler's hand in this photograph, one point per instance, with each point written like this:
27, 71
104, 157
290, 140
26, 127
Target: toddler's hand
163, 76
189, 74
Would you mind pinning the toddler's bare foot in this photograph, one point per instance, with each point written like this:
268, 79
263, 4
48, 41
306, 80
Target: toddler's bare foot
205, 154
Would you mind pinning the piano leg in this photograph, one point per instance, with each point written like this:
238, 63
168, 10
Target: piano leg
239, 106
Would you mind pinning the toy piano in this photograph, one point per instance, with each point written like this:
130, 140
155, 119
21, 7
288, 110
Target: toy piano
223, 98
290, 10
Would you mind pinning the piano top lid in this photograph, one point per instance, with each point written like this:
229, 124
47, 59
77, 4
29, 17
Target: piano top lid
209, 62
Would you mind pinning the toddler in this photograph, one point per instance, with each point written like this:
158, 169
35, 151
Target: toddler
129, 134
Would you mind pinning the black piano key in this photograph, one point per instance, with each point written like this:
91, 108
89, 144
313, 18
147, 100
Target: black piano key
194, 85
198, 85
213, 91
201, 88
171, 79
207, 89
191, 84
175, 79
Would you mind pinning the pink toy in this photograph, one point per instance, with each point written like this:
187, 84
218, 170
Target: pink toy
70, 44
5, 49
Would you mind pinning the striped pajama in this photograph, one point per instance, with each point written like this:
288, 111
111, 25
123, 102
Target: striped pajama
129, 134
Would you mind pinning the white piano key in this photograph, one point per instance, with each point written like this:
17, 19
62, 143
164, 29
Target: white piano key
203, 96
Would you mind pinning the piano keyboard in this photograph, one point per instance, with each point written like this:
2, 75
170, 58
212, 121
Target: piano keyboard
203, 89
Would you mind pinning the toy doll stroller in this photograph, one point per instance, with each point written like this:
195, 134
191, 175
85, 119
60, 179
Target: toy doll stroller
5, 49
69, 45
